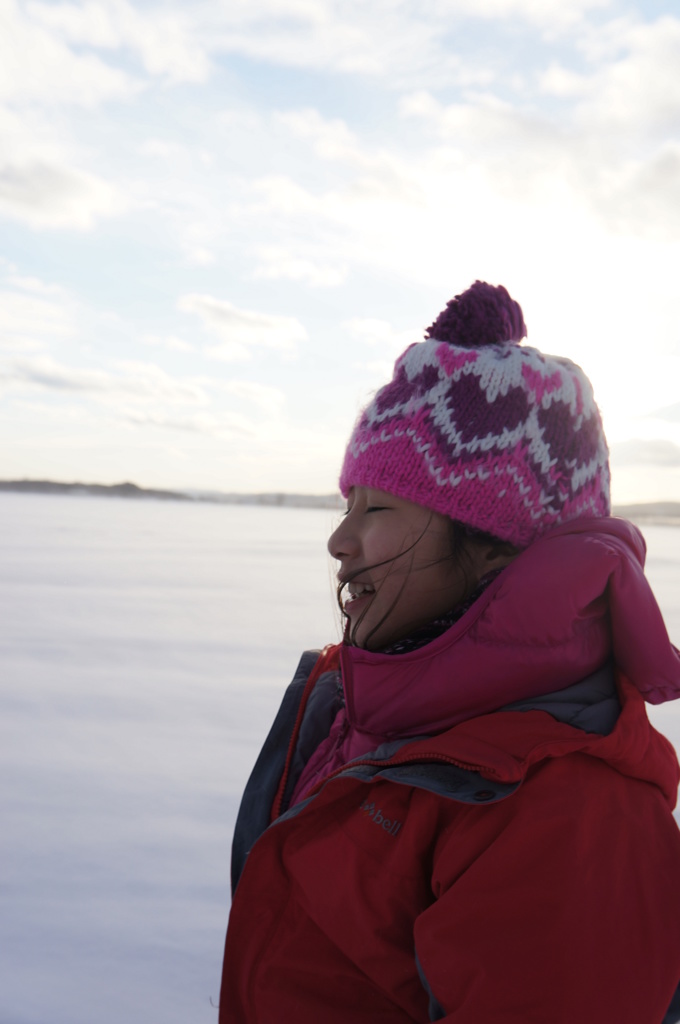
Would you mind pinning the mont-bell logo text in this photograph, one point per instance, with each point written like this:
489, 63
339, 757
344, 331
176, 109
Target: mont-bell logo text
390, 825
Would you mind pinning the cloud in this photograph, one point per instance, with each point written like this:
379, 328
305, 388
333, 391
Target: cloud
639, 452
167, 341
44, 372
268, 400
610, 148
559, 81
10, 343
382, 344
41, 183
320, 36
33, 314
643, 196
668, 412
282, 194
46, 411
161, 149
331, 138
630, 88
277, 264
374, 332
640, 91
55, 196
398, 43
164, 39
378, 173
342, 219
555, 16
486, 127
34, 285
35, 65
225, 426
143, 382
241, 330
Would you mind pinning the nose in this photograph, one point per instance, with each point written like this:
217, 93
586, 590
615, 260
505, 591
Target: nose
342, 543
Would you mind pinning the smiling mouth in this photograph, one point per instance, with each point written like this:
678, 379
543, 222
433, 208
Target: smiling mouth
357, 591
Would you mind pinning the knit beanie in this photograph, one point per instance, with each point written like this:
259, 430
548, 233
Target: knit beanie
491, 433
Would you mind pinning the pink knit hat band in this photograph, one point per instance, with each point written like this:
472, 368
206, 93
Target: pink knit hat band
499, 437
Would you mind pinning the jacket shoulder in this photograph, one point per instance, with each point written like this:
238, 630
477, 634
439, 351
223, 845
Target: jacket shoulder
255, 809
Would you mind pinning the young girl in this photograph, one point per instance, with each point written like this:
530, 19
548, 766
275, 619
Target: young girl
461, 812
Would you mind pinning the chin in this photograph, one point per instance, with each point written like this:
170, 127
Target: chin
373, 642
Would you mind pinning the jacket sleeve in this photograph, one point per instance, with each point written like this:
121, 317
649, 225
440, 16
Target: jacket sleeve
560, 904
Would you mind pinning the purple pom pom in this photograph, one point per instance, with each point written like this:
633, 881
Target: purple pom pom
483, 315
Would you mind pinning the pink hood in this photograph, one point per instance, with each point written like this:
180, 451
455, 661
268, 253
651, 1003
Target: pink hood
572, 600
554, 615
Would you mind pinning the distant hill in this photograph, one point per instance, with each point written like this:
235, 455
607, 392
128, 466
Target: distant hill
128, 490
653, 512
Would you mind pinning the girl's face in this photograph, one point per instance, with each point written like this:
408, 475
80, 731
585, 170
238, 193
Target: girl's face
397, 557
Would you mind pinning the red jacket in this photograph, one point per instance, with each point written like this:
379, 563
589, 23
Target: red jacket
512, 868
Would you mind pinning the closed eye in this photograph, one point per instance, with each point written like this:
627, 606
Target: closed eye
377, 508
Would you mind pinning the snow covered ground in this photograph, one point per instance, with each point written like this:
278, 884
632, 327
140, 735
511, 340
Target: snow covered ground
144, 647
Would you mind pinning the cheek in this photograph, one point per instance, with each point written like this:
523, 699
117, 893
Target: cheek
444, 582
383, 545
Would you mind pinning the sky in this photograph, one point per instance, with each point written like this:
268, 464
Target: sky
220, 222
